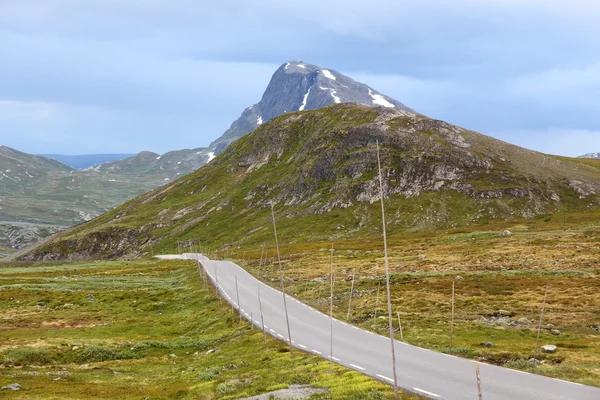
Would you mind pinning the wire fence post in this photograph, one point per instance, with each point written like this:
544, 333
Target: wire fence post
331, 278
537, 340
351, 291
452, 319
376, 307
238, 298
400, 325
262, 320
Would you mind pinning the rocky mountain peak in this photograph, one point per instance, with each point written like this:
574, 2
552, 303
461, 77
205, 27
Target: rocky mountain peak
298, 86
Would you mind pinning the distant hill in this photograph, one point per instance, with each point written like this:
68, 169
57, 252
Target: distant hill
86, 160
166, 167
40, 195
319, 169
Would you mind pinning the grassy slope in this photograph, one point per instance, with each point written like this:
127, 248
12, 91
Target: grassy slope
317, 164
141, 314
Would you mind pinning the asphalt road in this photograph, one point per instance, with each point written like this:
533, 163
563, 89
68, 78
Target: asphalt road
431, 374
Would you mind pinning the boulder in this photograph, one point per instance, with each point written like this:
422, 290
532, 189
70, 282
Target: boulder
548, 348
12, 386
487, 344
506, 232
555, 332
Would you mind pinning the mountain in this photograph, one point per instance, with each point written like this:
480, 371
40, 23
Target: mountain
39, 196
65, 197
18, 169
298, 86
86, 160
295, 86
319, 169
590, 155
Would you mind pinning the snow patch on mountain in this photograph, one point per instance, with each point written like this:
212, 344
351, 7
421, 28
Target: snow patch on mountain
210, 155
259, 120
380, 100
328, 74
304, 100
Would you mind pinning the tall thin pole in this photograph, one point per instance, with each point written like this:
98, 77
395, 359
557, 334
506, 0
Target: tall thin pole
387, 276
537, 340
261, 255
331, 312
238, 298
287, 318
452, 318
262, 320
351, 291
478, 381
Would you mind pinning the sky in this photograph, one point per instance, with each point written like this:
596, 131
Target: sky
122, 76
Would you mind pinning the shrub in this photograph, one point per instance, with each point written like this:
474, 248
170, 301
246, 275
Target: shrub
225, 388
209, 374
25, 356
101, 353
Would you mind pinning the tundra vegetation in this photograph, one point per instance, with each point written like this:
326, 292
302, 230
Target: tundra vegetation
144, 329
500, 271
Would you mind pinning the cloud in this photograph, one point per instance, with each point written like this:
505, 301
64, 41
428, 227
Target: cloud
162, 75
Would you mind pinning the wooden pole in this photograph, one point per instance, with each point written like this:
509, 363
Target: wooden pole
331, 278
537, 340
387, 276
261, 255
262, 320
478, 381
400, 325
237, 291
287, 318
376, 306
452, 319
351, 291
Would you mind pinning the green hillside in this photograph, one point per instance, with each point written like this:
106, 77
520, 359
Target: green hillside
319, 170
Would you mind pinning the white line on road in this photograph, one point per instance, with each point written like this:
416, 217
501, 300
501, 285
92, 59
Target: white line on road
280, 335
336, 359
357, 367
426, 392
303, 346
385, 377
272, 330
316, 351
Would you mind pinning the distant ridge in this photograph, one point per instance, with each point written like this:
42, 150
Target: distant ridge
86, 160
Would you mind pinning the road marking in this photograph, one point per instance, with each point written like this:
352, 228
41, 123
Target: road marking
280, 335
303, 346
357, 367
335, 359
426, 392
386, 378
316, 351
272, 330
